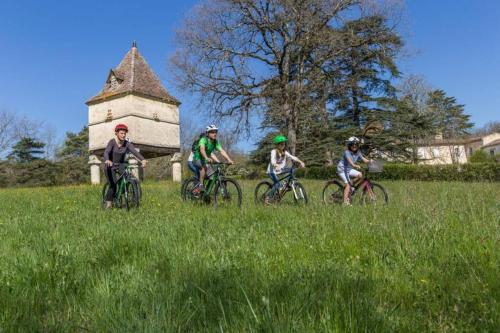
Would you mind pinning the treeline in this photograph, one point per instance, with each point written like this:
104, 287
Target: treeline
28, 164
318, 71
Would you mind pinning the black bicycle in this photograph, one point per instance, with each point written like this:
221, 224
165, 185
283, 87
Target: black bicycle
128, 189
287, 183
219, 189
371, 193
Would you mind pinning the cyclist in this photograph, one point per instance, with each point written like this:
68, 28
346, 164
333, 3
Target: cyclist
194, 146
205, 148
279, 159
115, 152
347, 165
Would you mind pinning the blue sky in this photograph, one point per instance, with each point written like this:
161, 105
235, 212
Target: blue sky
56, 54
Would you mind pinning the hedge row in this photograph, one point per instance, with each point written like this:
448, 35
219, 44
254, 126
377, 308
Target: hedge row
463, 172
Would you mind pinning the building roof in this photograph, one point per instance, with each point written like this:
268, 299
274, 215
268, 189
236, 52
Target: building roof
133, 76
493, 143
452, 141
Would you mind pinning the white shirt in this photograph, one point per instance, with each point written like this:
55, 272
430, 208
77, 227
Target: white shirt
190, 158
278, 163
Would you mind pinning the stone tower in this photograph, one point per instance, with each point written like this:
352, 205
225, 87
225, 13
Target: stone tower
133, 95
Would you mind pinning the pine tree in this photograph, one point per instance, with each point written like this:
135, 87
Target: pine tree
27, 150
449, 116
75, 144
73, 157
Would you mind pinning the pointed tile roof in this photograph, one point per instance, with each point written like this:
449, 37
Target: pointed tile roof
133, 76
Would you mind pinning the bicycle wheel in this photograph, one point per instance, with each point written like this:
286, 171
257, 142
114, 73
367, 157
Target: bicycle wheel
377, 197
187, 188
130, 197
333, 192
261, 191
299, 194
103, 198
227, 193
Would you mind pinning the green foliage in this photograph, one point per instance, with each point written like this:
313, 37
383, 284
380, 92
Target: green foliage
75, 145
449, 116
363, 75
73, 158
429, 262
262, 154
36, 173
27, 150
454, 172
480, 156
403, 128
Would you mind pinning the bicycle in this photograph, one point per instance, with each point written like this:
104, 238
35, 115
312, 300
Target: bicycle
222, 190
287, 183
128, 190
372, 193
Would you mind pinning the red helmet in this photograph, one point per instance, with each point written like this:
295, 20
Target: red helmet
121, 127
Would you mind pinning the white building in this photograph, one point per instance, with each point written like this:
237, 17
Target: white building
492, 148
449, 151
133, 95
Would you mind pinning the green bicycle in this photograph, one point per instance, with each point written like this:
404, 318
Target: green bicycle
128, 190
223, 191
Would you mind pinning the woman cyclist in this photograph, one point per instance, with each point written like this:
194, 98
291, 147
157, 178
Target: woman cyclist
115, 153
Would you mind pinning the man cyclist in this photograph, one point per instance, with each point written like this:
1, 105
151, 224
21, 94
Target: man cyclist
203, 152
191, 165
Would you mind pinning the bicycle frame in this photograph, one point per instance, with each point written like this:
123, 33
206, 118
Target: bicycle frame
364, 183
121, 183
289, 178
217, 176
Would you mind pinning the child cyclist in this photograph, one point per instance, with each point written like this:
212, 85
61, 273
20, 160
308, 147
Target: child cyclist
279, 159
203, 153
347, 165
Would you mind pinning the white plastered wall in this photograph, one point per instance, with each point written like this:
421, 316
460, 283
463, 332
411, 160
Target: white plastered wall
150, 122
442, 154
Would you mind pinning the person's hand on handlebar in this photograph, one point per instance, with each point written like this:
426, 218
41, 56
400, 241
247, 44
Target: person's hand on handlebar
302, 164
144, 163
357, 166
230, 161
210, 160
108, 163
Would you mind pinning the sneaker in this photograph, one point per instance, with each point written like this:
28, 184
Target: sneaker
346, 203
108, 205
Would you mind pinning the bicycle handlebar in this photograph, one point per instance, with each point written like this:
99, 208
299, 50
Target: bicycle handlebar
220, 163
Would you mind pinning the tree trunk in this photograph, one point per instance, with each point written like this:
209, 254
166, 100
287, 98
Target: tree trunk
355, 108
292, 135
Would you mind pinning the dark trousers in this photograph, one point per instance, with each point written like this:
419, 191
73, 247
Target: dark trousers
111, 176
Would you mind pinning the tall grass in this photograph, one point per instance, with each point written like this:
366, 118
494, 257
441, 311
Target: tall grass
428, 261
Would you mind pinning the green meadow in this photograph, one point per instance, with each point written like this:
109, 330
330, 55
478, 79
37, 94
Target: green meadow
429, 261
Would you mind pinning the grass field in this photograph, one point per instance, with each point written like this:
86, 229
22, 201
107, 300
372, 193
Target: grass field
430, 261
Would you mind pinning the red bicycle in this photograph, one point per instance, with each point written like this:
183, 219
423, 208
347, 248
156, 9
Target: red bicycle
371, 193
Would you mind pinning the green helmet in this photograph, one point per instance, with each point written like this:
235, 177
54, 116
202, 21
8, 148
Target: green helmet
279, 139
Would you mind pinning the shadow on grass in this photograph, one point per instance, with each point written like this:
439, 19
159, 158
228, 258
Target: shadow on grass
305, 299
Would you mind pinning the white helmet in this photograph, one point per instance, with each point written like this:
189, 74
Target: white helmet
211, 128
353, 140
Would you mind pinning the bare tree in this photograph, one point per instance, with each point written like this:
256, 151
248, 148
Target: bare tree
416, 89
245, 56
13, 128
488, 128
7, 123
48, 136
